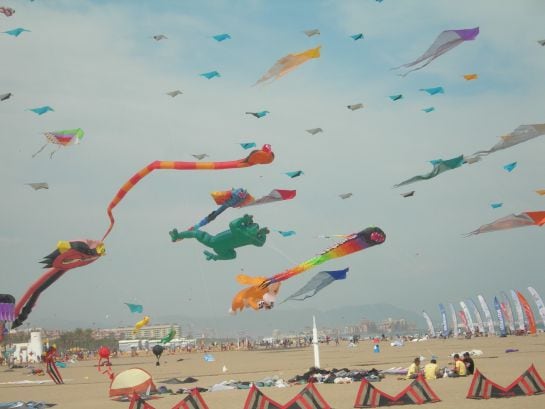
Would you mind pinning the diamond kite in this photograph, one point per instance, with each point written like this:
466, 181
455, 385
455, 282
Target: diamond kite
314, 131
5, 97
16, 32
211, 74
42, 110
294, 174
510, 166
175, 93
221, 37
259, 114
38, 186
354, 107
396, 97
313, 32
434, 90
470, 77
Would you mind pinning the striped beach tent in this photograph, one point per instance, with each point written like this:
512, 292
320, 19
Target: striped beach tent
529, 383
417, 392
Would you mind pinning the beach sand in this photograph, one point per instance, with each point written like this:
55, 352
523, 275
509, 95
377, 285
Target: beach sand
85, 387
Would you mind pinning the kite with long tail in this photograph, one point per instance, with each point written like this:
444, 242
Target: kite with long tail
261, 156
262, 291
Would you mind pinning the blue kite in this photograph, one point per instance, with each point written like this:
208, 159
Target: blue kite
135, 308
496, 205
259, 114
294, 174
357, 37
396, 97
248, 145
510, 166
16, 31
41, 110
210, 75
221, 37
433, 90
286, 233
317, 283
428, 110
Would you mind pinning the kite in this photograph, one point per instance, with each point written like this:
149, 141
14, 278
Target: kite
408, 194
439, 166
314, 131
50, 359
7, 11
209, 358
221, 37
140, 324
313, 32
210, 75
38, 186
169, 337
200, 156
135, 308
354, 107
512, 221
237, 198
428, 110
104, 360
470, 77
248, 145
7, 313
261, 156
541, 192
510, 166
66, 137
5, 97
289, 63
446, 41
434, 90
496, 205
357, 37
521, 134
157, 351
175, 93
242, 232
294, 174
262, 291
396, 97
16, 32
159, 37
541, 42
286, 233
67, 255
316, 284
41, 110
345, 195
259, 114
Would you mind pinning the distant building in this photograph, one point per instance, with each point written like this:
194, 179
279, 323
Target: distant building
148, 332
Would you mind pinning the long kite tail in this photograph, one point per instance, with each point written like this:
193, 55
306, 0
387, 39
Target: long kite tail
25, 304
261, 156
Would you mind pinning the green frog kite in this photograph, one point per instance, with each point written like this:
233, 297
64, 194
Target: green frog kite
242, 232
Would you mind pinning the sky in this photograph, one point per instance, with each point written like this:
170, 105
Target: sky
96, 64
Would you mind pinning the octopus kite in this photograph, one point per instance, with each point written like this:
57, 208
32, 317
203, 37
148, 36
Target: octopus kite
262, 292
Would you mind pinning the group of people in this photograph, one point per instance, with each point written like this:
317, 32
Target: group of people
462, 367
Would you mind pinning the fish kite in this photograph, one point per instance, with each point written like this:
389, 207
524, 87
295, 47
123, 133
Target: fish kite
345, 195
7, 11
446, 41
221, 37
512, 221
434, 90
159, 37
200, 156
237, 198
357, 37
140, 324
470, 77
38, 186
67, 255
521, 134
496, 205
210, 75
316, 284
439, 166
259, 114
408, 194
262, 291
294, 174
286, 233
135, 308
247, 145
5, 97
16, 32
428, 110
66, 137
313, 32
41, 110
396, 97
314, 131
354, 107
510, 166
175, 93
289, 63
541, 42
169, 337
262, 156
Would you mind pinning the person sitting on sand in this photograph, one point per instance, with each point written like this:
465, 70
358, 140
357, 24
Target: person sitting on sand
459, 367
469, 363
414, 369
432, 371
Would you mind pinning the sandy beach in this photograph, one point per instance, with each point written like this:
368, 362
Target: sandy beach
85, 387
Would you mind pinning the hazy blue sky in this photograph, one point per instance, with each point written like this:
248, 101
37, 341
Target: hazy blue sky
95, 63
